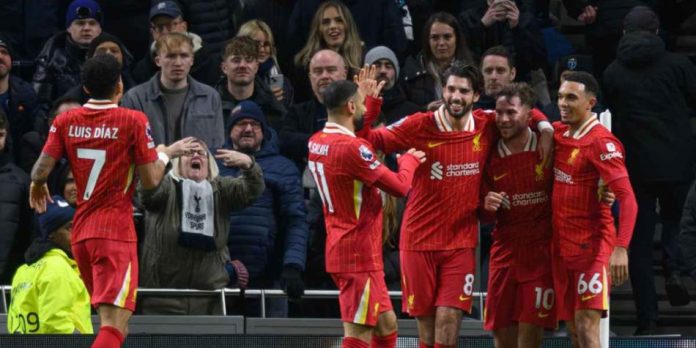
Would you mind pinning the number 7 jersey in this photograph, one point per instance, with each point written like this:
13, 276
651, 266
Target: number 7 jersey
103, 143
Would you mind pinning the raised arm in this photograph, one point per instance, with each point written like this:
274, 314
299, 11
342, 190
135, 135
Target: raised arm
151, 173
398, 184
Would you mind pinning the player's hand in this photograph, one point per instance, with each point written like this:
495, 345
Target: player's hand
232, 158
588, 15
546, 147
434, 105
367, 82
513, 13
606, 196
494, 200
38, 197
619, 266
419, 155
182, 147
495, 13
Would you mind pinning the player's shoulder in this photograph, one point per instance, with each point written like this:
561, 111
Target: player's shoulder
417, 119
486, 114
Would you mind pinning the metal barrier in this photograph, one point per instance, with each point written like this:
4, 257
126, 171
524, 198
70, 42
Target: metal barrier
261, 293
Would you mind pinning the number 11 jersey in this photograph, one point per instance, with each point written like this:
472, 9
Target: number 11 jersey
103, 144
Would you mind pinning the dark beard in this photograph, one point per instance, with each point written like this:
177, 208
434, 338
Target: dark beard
358, 124
465, 110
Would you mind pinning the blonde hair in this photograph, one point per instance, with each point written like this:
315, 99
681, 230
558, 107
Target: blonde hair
250, 28
172, 41
213, 170
352, 47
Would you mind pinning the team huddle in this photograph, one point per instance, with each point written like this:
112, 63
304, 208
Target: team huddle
555, 252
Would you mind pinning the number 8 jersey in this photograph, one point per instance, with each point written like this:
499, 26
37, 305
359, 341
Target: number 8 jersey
103, 143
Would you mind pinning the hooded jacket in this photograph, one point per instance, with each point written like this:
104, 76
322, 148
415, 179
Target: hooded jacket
15, 217
649, 92
49, 287
272, 233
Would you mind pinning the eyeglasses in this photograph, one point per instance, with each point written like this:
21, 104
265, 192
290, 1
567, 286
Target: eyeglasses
244, 124
83, 12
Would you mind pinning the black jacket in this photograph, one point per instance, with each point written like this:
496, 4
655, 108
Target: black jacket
15, 218
395, 106
418, 85
610, 14
687, 236
216, 21
650, 92
262, 96
21, 112
58, 68
301, 121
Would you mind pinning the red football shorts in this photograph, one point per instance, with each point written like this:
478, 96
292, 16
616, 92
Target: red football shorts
109, 269
432, 279
362, 296
581, 285
510, 302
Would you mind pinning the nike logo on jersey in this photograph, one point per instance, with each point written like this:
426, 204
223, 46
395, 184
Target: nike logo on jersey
433, 145
543, 315
587, 297
463, 298
498, 177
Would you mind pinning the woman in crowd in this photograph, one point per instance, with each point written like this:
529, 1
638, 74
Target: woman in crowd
269, 71
443, 44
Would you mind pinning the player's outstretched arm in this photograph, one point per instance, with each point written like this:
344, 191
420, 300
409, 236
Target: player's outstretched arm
628, 210
151, 173
398, 184
38, 191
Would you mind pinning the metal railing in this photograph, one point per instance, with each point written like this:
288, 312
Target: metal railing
260, 293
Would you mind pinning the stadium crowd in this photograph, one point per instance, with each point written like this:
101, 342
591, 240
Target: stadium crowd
244, 96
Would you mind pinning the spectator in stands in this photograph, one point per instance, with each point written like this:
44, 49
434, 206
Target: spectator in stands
603, 29
185, 245
687, 237
175, 103
498, 70
166, 17
504, 23
270, 236
17, 100
651, 93
16, 219
48, 295
443, 45
240, 65
269, 70
334, 28
106, 43
59, 64
305, 119
394, 103
62, 182
31, 144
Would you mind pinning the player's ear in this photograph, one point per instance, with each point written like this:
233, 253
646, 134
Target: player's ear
593, 102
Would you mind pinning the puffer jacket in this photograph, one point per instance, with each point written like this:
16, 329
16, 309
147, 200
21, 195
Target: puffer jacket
15, 217
272, 233
418, 85
58, 68
216, 21
21, 112
164, 263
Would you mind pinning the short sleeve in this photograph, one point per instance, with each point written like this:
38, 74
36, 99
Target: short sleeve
144, 143
607, 155
363, 162
55, 147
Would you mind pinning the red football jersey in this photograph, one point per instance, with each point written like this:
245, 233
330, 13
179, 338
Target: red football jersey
441, 209
583, 225
103, 143
345, 168
522, 235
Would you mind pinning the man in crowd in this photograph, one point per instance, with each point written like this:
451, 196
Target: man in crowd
166, 17
269, 237
48, 295
586, 244
349, 179
498, 69
394, 103
520, 302
60, 61
306, 118
240, 64
176, 104
17, 100
437, 244
104, 145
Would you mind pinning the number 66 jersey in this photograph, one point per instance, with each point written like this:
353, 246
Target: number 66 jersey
103, 144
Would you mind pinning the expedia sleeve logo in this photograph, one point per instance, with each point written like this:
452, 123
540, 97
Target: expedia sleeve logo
612, 152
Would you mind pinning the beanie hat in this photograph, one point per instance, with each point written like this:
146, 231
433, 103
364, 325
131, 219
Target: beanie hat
247, 109
165, 8
104, 37
382, 52
81, 9
641, 18
57, 214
